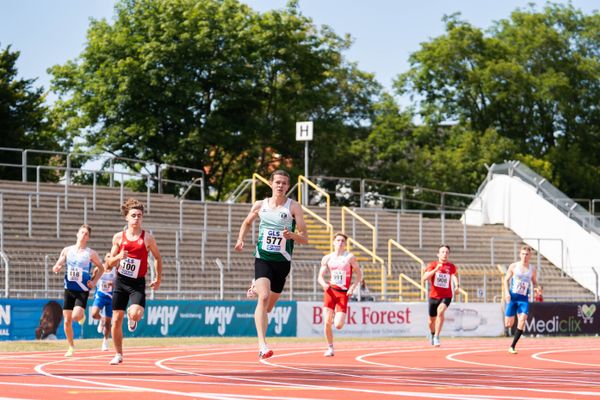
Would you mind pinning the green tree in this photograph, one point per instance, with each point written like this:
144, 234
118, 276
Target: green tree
24, 119
533, 78
211, 85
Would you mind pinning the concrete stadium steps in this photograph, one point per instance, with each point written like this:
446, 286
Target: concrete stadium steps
198, 282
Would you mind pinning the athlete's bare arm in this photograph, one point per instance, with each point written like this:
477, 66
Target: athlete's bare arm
356, 275
507, 278
324, 268
153, 248
114, 256
301, 235
99, 270
252, 215
62, 259
430, 273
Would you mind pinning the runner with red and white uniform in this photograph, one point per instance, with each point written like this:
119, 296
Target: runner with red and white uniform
130, 250
443, 282
342, 266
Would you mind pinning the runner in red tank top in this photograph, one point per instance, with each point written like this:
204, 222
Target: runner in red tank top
130, 251
342, 267
443, 281
136, 263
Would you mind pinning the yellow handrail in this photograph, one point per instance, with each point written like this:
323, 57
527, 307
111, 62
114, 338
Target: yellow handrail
402, 277
392, 242
321, 220
376, 258
255, 177
302, 178
364, 222
464, 294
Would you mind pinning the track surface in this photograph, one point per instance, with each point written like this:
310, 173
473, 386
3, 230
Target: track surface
548, 368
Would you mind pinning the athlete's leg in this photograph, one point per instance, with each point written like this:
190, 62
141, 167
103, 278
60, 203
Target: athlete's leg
68, 321
135, 312
95, 312
265, 300
439, 322
273, 297
117, 330
78, 313
431, 324
521, 320
339, 320
327, 321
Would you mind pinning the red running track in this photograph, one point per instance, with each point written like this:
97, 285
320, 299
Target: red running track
467, 368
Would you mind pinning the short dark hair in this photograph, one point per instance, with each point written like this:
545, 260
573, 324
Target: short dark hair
89, 228
279, 172
444, 245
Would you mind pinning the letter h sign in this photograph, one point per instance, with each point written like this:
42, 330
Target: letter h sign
304, 131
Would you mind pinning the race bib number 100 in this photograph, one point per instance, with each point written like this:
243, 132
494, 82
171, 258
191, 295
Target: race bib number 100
273, 241
130, 267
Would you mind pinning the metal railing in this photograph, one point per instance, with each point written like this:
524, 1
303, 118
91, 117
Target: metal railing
30, 195
537, 248
154, 174
546, 190
392, 195
4, 260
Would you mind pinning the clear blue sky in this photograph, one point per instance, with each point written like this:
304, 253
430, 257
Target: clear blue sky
386, 32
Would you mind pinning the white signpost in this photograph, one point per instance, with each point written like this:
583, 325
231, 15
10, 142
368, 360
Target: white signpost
304, 133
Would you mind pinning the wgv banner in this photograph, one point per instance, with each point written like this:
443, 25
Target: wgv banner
42, 319
367, 319
563, 319
204, 318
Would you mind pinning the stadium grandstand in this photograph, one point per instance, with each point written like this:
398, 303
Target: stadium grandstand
393, 236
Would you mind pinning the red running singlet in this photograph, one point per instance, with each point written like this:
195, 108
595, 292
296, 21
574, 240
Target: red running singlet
135, 265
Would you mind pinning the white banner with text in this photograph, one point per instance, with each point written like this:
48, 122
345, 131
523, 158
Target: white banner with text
370, 319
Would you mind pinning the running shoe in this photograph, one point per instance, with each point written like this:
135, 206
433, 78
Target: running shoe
430, 338
117, 359
101, 325
512, 350
251, 293
81, 321
131, 325
436, 341
104, 345
329, 352
265, 353
70, 352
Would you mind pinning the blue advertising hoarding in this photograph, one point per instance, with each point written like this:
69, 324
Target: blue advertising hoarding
32, 319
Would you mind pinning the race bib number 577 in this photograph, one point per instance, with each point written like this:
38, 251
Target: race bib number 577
273, 241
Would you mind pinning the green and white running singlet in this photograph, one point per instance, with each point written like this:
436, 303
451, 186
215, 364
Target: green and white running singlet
272, 246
